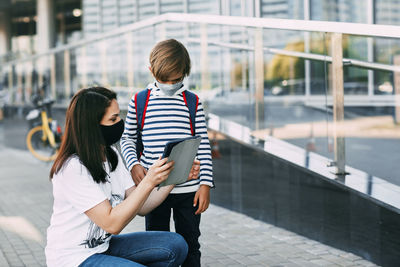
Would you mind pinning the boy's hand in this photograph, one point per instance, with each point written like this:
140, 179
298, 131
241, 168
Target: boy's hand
195, 170
138, 172
202, 198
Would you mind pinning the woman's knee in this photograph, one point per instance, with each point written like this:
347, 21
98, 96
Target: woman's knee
179, 246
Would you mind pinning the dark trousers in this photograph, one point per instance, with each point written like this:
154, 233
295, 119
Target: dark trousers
187, 224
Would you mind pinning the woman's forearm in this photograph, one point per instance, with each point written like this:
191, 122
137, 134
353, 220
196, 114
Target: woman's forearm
113, 220
123, 213
140, 201
155, 198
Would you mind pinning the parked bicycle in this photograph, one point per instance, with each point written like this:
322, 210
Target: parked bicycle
44, 138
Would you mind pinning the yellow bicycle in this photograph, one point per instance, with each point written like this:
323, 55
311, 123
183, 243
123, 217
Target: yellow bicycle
43, 140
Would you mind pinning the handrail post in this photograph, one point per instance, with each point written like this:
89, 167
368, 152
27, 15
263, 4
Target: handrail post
41, 66
67, 75
129, 49
338, 103
28, 80
53, 75
205, 75
20, 86
307, 41
84, 67
259, 79
370, 46
244, 52
162, 31
103, 58
11, 83
396, 61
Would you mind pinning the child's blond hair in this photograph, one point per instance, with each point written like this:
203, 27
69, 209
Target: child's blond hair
168, 58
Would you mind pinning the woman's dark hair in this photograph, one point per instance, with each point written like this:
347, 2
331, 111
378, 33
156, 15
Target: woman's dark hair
83, 136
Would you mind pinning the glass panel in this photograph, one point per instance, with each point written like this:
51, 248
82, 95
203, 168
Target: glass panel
116, 49
318, 69
203, 7
282, 9
294, 119
371, 124
93, 64
372, 135
387, 12
284, 74
355, 79
343, 11
387, 51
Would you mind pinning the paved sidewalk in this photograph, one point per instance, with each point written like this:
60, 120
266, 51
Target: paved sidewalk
228, 238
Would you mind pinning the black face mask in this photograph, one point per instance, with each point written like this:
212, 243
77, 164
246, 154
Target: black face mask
112, 133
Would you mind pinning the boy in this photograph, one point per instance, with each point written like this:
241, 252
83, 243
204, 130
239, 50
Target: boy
167, 118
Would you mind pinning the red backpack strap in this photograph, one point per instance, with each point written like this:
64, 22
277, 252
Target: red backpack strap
192, 102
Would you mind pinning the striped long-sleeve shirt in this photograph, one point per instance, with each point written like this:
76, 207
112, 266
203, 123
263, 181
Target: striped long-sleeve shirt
166, 119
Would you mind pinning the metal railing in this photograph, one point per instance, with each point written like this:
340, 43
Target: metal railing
47, 61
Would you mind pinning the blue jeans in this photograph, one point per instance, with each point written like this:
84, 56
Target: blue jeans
151, 249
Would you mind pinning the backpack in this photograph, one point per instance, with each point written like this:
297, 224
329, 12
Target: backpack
141, 101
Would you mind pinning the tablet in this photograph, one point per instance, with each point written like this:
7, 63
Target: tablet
183, 152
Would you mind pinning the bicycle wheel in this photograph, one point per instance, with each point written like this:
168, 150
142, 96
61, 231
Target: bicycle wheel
40, 148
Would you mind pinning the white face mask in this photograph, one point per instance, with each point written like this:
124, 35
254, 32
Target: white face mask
169, 89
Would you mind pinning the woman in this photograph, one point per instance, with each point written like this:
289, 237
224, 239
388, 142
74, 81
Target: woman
95, 197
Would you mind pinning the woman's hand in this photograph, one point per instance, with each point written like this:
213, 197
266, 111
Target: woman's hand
159, 171
195, 170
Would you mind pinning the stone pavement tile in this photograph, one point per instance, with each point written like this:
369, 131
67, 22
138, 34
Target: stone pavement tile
36, 249
304, 246
350, 256
289, 255
215, 255
337, 260
228, 262
216, 264
10, 255
3, 260
205, 262
28, 260
15, 262
349, 264
335, 251
40, 257
7, 251
365, 263
244, 260
291, 264
308, 256
321, 262
318, 251
302, 262
268, 259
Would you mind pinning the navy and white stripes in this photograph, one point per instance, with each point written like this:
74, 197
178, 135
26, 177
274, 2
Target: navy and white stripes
166, 119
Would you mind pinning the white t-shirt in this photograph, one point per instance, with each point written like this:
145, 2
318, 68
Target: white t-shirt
72, 237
